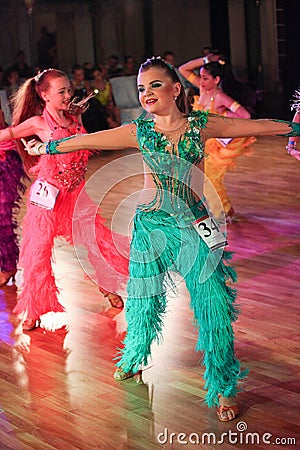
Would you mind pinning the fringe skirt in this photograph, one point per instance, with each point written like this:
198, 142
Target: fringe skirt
39, 293
162, 244
11, 188
222, 158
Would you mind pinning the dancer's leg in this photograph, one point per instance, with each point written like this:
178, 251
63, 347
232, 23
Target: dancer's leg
150, 259
107, 251
39, 291
213, 304
144, 325
215, 174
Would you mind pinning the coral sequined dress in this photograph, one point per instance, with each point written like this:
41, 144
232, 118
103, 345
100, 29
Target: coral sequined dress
39, 293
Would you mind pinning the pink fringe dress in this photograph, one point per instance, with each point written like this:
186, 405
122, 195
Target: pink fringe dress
39, 294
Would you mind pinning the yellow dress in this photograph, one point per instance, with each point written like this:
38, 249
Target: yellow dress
220, 158
104, 95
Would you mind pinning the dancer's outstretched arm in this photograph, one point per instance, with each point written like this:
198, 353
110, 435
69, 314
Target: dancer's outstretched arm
114, 139
124, 136
224, 127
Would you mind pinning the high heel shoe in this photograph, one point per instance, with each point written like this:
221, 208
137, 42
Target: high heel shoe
120, 375
6, 276
114, 299
227, 412
30, 324
230, 216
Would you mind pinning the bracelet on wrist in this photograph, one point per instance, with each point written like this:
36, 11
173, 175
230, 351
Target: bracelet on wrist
290, 147
205, 59
37, 148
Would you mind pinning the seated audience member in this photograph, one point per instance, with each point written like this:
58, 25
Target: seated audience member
114, 69
94, 118
88, 67
169, 57
129, 67
11, 81
80, 85
23, 69
103, 90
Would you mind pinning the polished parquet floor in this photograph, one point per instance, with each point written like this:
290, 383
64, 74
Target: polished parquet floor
57, 391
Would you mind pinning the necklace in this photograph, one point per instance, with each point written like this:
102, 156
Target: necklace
173, 136
212, 96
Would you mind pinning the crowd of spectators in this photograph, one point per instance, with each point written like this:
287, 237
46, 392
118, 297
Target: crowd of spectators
85, 79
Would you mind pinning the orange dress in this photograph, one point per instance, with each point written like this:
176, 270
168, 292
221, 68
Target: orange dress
221, 157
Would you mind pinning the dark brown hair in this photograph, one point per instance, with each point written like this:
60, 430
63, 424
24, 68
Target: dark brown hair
159, 63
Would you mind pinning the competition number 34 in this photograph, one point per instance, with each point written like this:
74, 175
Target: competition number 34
209, 230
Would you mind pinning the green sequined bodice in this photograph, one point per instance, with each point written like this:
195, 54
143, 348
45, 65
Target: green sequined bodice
171, 164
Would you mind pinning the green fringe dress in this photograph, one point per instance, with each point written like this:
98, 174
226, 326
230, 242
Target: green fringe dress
164, 241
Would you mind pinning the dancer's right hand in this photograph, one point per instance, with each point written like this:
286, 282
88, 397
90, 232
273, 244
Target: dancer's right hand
34, 147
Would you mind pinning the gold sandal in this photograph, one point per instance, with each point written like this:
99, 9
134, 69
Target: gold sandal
226, 413
120, 375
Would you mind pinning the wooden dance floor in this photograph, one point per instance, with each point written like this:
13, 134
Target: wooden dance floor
60, 393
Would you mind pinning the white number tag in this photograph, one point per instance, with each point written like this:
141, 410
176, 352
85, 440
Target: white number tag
43, 194
209, 230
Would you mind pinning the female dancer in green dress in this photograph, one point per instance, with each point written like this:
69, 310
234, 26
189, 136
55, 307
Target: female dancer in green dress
164, 239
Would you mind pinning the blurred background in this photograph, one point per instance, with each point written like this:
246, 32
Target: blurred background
260, 39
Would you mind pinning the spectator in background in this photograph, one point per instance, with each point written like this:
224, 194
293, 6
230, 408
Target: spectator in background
88, 68
114, 68
11, 81
103, 68
103, 90
80, 85
36, 70
206, 51
129, 67
23, 69
94, 118
169, 58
